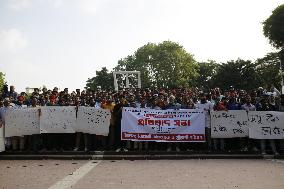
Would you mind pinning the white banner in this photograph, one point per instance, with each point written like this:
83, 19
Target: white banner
140, 124
20, 122
229, 124
266, 125
58, 119
93, 120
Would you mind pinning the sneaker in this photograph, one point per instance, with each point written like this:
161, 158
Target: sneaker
263, 153
254, 149
125, 149
118, 150
177, 149
245, 149
43, 150
76, 149
189, 150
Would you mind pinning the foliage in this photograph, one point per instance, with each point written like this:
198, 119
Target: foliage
268, 68
2, 80
240, 73
166, 64
103, 78
273, 27
206, 71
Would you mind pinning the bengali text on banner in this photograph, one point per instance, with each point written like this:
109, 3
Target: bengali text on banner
140, 124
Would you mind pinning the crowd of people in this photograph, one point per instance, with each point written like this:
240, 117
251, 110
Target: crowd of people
260, 99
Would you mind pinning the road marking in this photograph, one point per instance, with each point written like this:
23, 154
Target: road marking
276, 160
71, 180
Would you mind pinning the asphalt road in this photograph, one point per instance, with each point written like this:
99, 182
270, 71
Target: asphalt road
142, 174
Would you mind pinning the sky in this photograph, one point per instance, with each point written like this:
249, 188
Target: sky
63, 42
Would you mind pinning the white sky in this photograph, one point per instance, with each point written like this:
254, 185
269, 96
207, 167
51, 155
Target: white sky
63, 42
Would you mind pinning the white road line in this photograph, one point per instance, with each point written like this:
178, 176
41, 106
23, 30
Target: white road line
276, 160
71, 180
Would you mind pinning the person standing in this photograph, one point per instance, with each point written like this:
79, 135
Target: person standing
3, 111
117, 112
19, 141
248, 106
175, 106
109, 105
265, 106
206, 106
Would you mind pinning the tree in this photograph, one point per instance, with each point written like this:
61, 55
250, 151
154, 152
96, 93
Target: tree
103, 78
2, 80
166, 64
206, 71
240, 73
268, 69
273, 27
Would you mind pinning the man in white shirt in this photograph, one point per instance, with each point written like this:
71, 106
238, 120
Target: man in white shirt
206, 106
3, 111
248, 106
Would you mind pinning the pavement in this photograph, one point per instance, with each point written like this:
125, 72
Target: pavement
143, 174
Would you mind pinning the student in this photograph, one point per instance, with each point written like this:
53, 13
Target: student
3, 111
248, 106
265, 106
18, 142
206, 106
117, 112
175, 106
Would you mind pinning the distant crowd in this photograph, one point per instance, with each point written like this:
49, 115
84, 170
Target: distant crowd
260, 99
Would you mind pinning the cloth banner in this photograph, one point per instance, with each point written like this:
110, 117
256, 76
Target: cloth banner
229, 124
266, 125
58, 119
93, 120
20, 122
140, 124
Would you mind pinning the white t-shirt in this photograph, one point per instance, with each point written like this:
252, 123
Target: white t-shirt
206, 107
248, 107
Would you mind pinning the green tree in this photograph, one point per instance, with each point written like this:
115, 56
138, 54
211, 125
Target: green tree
273, 27
240, 73
2, 80
166, 64
103, 78
268, 69
207, 70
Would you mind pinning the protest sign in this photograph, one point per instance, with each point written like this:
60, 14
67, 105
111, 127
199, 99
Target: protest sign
266, 125
20, 122
58, 119
140, 124
229, 124
93, 120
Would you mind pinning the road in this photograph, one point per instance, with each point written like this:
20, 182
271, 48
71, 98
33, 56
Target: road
142, 174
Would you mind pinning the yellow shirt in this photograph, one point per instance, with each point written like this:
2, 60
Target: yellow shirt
109, 106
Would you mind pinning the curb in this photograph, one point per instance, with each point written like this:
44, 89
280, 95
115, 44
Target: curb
136, 156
